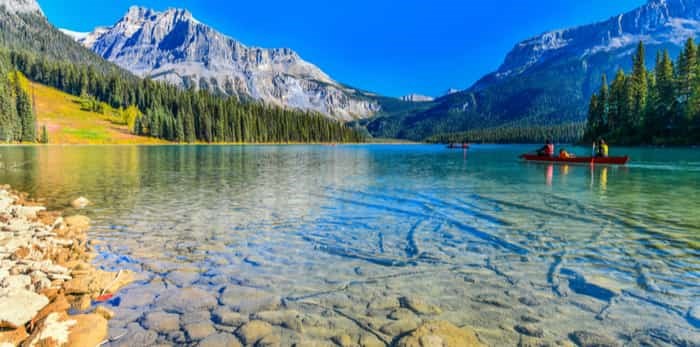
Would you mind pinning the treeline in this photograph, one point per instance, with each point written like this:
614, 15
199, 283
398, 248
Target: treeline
564, 133
17, 118
650, 107
174, 114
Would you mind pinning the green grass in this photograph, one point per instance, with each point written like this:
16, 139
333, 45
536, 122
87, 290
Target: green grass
67, 123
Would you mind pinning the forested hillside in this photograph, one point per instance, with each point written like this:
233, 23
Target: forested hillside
661, 106
29, 44
566, 133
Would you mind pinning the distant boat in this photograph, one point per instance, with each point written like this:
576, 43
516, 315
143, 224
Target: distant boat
458, 146
578, 160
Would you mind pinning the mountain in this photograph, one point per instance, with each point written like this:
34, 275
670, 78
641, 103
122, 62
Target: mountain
21, 6
417, 98
23, 27
548, 79
173, 46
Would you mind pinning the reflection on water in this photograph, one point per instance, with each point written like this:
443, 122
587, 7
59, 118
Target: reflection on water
337, 235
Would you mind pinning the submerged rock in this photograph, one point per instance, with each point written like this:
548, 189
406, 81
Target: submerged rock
187, 300
344, 340
80, 203
441, 334
529, 330
225, 316
198, 331
162, 322
220, 340
419, 306
253, 331
248, 300
289, 319
589, 339
694, 316
396, 328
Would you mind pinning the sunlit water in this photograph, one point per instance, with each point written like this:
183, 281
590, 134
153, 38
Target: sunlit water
340, 233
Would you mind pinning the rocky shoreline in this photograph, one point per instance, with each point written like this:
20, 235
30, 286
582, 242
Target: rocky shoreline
48, 287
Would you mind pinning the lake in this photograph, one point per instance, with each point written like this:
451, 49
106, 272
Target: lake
368, 241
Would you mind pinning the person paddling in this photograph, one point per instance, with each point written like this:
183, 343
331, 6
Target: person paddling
547, 150
602, 149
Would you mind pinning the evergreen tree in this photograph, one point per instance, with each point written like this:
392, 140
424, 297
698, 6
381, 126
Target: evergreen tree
44, 135
640, 88
25, 113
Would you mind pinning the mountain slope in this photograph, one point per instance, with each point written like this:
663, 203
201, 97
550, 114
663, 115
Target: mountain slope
175, 47
67, 123
548, 79
23, 27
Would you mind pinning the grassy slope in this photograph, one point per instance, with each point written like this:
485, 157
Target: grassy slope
68, 124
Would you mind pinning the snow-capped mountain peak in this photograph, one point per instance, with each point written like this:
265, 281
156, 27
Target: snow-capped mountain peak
175, 47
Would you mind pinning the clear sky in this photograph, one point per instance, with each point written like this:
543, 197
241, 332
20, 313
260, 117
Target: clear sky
390, 47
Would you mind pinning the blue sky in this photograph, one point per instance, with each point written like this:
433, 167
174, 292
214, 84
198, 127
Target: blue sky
390, 47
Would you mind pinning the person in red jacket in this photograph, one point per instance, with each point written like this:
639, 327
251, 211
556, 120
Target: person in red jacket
547, 150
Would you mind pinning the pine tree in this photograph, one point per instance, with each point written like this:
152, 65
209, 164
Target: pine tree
640, 88
44, 135
25, 113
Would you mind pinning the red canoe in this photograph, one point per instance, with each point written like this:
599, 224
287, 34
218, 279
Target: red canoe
578, 160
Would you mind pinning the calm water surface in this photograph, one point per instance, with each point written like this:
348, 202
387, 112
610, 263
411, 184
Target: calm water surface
333, 240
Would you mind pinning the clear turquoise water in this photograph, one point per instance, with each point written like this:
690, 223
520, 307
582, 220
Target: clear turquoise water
335, 231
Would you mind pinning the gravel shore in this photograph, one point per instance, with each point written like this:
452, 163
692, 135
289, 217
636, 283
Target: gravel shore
45, 273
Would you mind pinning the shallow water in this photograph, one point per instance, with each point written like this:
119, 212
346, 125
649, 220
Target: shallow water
339, 234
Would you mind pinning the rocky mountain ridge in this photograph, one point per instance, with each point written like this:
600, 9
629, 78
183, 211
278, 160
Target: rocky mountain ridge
548, 79
175, 47
21, 6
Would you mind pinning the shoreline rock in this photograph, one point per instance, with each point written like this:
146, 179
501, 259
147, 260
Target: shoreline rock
45, 270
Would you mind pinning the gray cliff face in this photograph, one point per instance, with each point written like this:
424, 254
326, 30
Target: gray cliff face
658, 22
173, 46
21, 6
